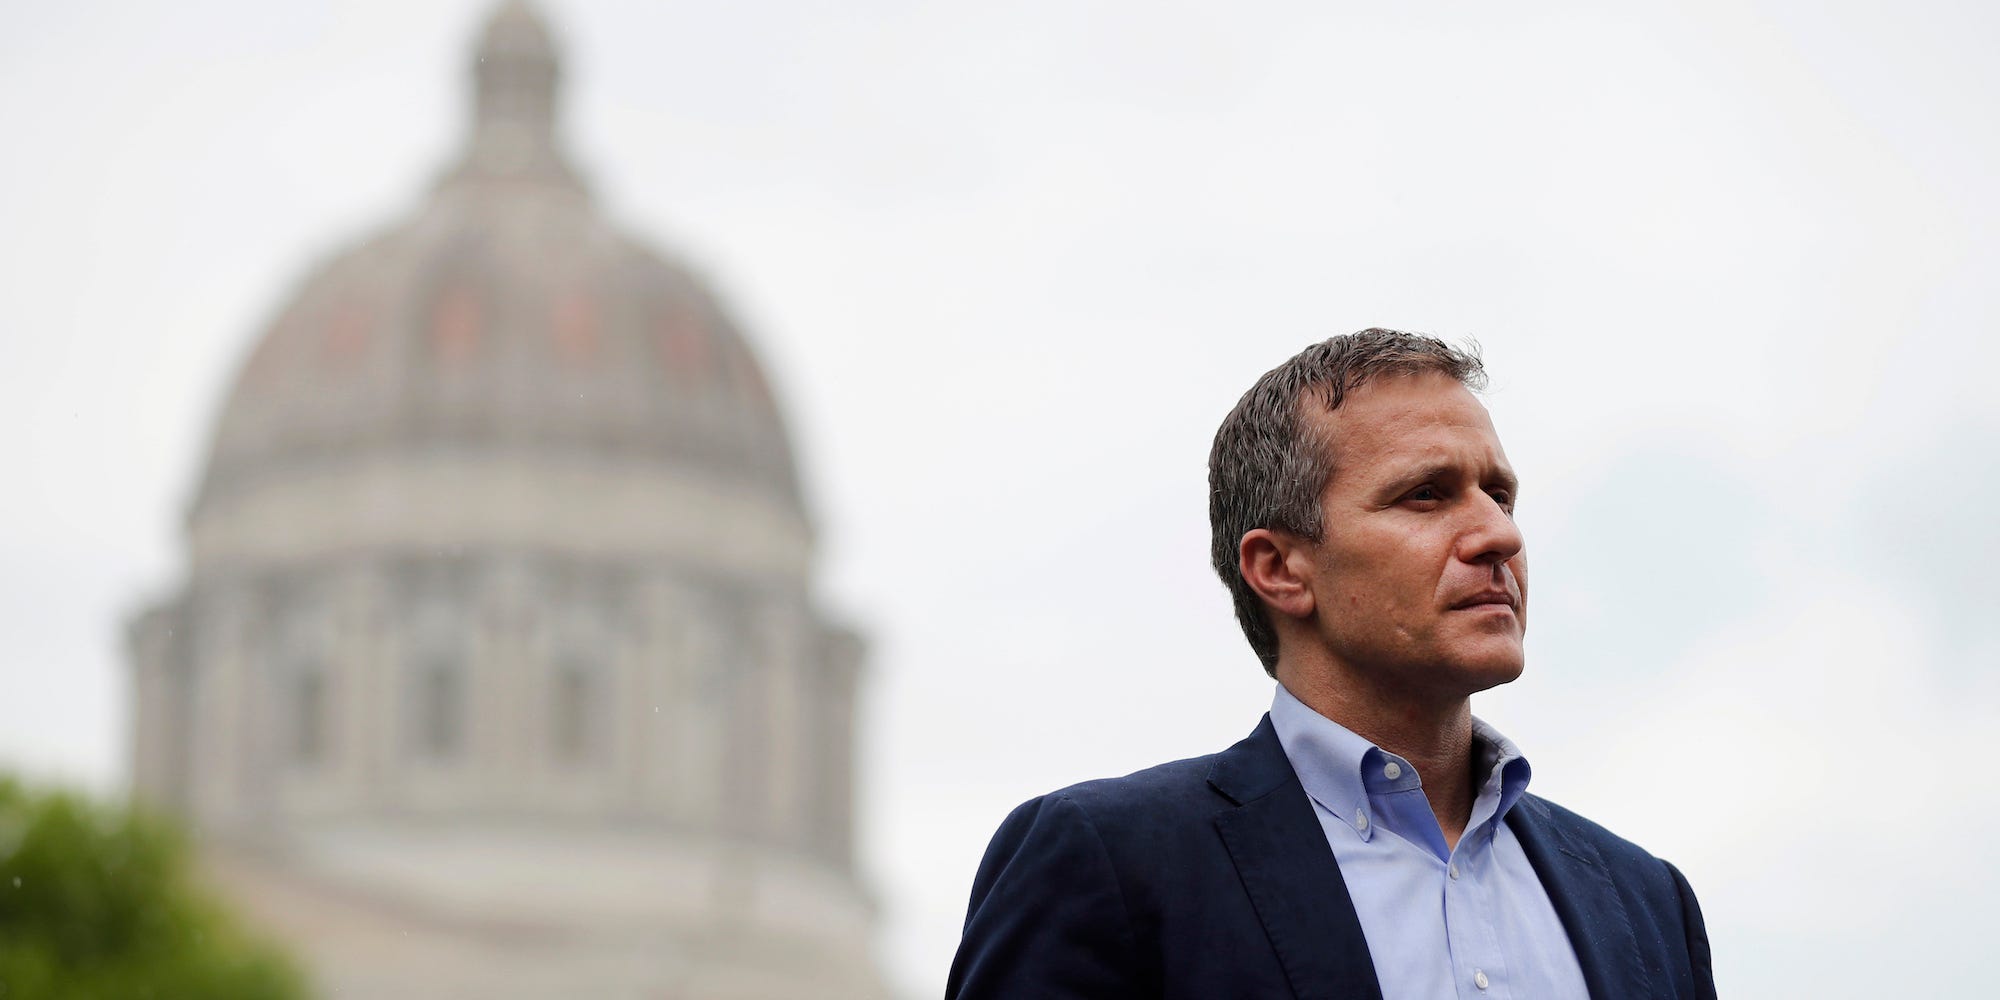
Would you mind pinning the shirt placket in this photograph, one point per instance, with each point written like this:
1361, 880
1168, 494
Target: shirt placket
1478, 963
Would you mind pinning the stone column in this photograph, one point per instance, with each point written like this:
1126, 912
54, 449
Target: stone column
261, 719
156, 644
508, 607
225, 636
842, 653
389, 693
707, 680
353, 678
652, 709
788, 758
747, 675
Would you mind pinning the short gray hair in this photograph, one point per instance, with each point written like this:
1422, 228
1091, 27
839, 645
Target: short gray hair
1269, 463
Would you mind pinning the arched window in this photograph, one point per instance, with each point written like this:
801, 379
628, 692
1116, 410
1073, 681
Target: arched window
573, 704
308, 715
440, 709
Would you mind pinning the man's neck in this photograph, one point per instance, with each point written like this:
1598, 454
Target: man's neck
1435, 737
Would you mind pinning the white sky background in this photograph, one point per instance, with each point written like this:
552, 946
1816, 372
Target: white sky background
1732, 265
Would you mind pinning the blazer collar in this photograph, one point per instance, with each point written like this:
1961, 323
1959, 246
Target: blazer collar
1281, 854
1254, 767
1579, 884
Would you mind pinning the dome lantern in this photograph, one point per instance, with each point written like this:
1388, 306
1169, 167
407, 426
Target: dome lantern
517, 77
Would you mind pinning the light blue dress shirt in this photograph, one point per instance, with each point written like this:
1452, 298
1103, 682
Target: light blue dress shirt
1473, 922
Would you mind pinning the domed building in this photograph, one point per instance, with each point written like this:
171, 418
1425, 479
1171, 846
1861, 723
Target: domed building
496, 671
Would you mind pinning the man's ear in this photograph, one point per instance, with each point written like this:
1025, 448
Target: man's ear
1277, 566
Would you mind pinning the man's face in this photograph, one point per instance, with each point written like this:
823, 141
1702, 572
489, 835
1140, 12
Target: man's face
1420, 580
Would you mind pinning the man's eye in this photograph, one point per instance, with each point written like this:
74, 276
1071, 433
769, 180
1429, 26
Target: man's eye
1427, 494
1504, 499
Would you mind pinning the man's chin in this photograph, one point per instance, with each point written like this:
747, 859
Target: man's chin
1486, 669
1494, 677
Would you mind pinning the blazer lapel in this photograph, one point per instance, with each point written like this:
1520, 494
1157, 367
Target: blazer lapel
1281, 854
1578, 882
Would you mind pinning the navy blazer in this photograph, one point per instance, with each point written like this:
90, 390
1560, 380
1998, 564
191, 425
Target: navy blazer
1211, 878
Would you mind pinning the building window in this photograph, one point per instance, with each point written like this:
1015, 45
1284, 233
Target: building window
574, 704
309, 723
440, 714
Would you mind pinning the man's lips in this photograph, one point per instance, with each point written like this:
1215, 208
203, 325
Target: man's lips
1486, 598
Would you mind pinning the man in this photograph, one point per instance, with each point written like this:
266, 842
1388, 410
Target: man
1371, 839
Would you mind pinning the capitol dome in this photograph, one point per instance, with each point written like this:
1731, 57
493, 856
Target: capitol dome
507, 314
497, 670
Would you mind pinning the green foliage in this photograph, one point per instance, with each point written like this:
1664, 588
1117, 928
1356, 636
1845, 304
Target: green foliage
97, 903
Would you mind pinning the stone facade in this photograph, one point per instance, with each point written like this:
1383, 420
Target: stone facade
496, 671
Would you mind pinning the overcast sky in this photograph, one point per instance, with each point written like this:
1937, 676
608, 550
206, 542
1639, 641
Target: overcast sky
1732, 264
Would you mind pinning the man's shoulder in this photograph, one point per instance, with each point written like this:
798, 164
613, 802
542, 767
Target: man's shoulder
1142, 796
1131, 828
1080, 887
1617, 852
1167, 805
1250, 768
1655, 900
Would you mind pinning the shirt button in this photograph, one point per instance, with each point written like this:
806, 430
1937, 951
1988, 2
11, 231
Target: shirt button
1479, 978
1454, 871
1392, 770
1361, 821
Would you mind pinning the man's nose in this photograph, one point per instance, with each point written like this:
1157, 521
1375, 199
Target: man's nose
1492, 537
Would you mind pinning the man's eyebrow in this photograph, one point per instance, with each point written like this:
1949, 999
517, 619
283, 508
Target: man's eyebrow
1502, 477
1404, 478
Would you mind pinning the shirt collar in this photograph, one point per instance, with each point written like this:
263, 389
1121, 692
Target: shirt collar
1340, 769
1326, 755
1507, 771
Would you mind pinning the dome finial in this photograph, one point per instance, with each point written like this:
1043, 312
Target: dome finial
516, 74
516, 70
